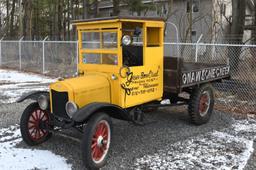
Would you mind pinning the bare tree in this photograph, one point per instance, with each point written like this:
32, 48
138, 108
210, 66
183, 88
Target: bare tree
60, 19
254, 25
85, 9
12, 17
20, 20
7, 16
27, 20
116, 7
236, 32
0, 16
95, 8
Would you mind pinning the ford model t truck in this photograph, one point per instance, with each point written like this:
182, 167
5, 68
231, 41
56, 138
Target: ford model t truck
122, 74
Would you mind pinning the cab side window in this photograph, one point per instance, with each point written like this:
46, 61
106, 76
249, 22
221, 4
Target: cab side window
153, 37
133, 53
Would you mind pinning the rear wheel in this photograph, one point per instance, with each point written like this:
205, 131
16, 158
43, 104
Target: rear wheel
31, 123
96, 141
201, 104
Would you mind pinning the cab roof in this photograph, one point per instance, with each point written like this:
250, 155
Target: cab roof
118, 18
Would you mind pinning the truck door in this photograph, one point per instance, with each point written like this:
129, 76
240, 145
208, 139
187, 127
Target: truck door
141, 74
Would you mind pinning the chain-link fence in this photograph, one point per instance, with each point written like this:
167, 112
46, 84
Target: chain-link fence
238, 94
59, 58
55, 58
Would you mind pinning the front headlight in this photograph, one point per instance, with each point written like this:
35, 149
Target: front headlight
71, 108
126, 40
43, 102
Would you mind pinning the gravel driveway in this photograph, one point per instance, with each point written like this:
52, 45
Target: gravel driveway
168, 141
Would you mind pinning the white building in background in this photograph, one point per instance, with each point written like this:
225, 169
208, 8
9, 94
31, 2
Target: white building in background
201, 25
201, 17
209, 17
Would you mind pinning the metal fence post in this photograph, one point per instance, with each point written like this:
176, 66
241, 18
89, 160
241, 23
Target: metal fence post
1, 51
77, 55
20, 51
197, 44
44, 54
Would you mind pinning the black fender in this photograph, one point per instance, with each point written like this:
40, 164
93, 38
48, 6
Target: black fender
115, 111
32, 95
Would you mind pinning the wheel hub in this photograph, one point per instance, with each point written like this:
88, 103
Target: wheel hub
204, 103
100, 141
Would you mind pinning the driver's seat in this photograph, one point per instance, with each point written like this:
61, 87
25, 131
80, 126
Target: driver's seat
132, 55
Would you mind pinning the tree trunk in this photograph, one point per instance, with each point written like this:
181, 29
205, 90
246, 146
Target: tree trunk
51, 20
75, 15
77, 9
96, 9
72, 10
0, 22
12, 18
190, 20
253, 50
60, 19
7, 16
55, 20
116, 7
37, 23
27, 18
85, 9
68, 19
21, 16
254, 25
237, 31
238, 21
64, 21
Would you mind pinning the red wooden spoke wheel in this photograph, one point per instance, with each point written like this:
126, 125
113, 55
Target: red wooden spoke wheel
204, 103
100, 141
35, 131
96, 141
31, 123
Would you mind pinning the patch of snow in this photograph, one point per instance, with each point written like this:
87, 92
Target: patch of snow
13, 158
16, 77
246, 126
13, 84
247, 145
230, 149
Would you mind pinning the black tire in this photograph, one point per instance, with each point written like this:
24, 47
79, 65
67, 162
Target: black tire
89, 146
33, 134
201, 104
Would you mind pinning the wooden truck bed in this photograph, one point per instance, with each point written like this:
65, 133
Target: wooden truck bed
179, 74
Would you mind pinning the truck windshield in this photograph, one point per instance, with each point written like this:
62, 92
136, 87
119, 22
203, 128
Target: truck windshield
99, 40
99, 47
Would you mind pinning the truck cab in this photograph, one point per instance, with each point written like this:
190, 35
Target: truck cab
120, 62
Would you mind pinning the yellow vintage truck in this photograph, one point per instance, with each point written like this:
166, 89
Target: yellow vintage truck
122, 73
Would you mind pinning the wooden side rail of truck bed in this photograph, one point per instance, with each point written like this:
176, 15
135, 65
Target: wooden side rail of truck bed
179, 74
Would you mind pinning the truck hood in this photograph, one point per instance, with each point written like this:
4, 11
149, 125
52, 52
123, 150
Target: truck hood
87, 83
85, 89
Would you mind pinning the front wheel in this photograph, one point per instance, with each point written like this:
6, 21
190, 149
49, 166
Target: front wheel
31, 125
96, 141
201, 104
